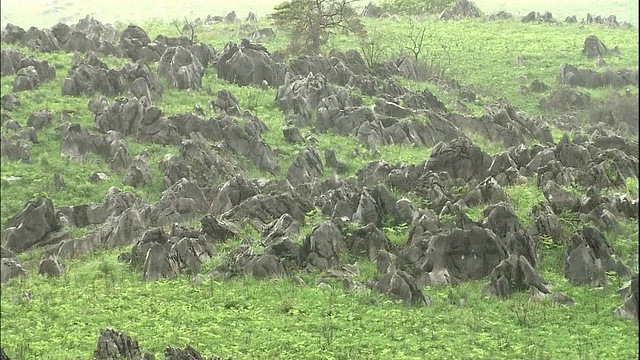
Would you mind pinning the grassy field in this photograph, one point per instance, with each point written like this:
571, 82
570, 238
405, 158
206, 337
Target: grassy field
46, 13
625, 10
253, 319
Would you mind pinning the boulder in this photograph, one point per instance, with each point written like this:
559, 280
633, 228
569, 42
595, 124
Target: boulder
113, 345
181, 68
50, 267
401, 286
132, 40
461, 9
583, 268
139, 172
189, 353
306, 167
227, 102
218, 230
585, 77
35, 225
41, 40
302, 96
89, 75
114, 204
124, 228
232, 193
322, 247
243, 65
244, 142
71, 40
265, 266
26, 79
284, 227
515, 274
9, 59
560, 199
629, 309
368, 241
454, 255
9, 101
158, 264
593, 47
11, 268
14, 149
183, 200
461, 158
261, 209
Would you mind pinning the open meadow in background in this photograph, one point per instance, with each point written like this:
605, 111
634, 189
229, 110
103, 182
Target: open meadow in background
46, 13
335, 316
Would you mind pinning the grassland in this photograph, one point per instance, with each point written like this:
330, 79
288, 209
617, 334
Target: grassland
252, 319
46, 13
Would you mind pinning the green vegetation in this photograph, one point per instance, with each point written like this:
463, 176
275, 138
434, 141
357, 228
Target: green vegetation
250, 318
309, 23
416, 7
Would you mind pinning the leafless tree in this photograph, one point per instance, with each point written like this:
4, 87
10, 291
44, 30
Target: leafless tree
374, 45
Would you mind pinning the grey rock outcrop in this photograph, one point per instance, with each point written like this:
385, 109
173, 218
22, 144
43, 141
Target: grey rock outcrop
35, 225
14, 149
593, 47
50, 266
322, 247
284, 227
589, 256
368, 241
461, 9
249, 66
515, 274
181, 68
401, 286
461, 158
139, 172
306, 167
11, 268
117, 344
454, 255
629, 309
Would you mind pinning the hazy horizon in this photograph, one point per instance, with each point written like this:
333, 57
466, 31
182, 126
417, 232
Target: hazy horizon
47, 13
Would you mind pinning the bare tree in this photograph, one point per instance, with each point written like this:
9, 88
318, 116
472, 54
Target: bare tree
415, 40
189, 29
374, 46
309, 23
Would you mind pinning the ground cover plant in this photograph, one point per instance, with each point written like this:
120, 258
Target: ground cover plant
265, 214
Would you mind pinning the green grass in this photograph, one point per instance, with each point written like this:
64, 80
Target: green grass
250, 318
625, 10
